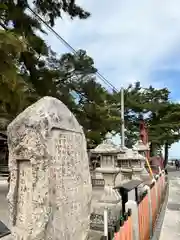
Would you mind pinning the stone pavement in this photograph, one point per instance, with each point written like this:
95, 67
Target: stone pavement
171, 224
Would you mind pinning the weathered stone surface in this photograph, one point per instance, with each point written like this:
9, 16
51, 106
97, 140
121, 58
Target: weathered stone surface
50, 188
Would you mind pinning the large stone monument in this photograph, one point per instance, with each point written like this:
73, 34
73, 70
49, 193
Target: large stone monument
50, 187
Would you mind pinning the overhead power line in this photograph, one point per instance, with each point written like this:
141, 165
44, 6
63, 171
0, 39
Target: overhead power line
101, 77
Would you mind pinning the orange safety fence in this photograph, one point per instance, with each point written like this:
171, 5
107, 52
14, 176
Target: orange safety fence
124, 228
143, 214
159, 191
161, 183
125, 231
162, 179
153, 204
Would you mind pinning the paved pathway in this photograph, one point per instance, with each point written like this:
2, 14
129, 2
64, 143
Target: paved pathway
171, 224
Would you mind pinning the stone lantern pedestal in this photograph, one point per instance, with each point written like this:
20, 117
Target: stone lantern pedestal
110, 198
109, 194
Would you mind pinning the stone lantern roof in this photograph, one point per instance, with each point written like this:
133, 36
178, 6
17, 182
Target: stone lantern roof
137, 155
140, 146
125, 154
107, 146
130, 154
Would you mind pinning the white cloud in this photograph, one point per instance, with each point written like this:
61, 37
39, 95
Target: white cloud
128, 39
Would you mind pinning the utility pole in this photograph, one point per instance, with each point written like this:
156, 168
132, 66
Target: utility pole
122, 119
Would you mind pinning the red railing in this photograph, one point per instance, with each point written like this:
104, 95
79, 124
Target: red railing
126, 229
153, 205
156, 200
148, 208
143, 214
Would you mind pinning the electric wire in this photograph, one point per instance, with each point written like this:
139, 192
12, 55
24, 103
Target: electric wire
64, 42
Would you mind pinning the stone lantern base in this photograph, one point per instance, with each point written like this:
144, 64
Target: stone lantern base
111, 200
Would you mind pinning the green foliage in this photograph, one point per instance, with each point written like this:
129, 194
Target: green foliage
12, 85
160, 114
95, 111
53, 9
10, 49
29, 69
39, 71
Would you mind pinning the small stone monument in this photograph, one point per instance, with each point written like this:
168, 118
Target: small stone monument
50, 188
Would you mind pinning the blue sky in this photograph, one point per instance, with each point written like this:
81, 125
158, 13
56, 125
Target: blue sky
129, 40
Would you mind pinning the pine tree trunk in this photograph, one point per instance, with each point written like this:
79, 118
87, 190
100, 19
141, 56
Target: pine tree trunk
166, 152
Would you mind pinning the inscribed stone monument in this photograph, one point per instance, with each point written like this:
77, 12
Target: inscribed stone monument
50, 188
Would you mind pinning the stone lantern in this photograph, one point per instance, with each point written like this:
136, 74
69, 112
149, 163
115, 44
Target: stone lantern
137, 165
124, 158
110, 197
142, 149
107, 152
131, 163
